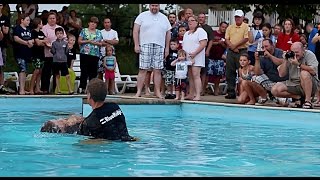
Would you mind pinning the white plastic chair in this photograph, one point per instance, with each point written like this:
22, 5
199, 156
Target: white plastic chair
77, 70
12, 76
124, 81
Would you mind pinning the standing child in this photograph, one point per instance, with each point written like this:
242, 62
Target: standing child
181, 65
246, 71
37, 55
109, 63
170, 70
23, 43
71, 50
60, 51
182, 30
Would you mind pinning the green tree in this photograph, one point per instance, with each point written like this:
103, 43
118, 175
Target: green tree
122, 17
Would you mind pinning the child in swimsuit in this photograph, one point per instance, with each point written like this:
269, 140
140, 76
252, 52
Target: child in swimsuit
246, 71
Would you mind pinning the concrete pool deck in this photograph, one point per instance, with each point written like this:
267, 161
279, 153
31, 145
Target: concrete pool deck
128, 98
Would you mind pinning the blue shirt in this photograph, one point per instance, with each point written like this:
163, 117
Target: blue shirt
311, 46
270, 69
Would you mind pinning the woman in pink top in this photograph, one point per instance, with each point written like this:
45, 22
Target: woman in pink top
48, 31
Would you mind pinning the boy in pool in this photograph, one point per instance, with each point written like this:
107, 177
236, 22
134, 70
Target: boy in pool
106, 120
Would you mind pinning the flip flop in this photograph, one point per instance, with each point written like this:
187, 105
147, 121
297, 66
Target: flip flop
262, 100
307, 105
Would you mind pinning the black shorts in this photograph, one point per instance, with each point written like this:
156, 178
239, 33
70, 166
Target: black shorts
60, 66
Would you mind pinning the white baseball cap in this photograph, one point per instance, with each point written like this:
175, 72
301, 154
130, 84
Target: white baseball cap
238, 13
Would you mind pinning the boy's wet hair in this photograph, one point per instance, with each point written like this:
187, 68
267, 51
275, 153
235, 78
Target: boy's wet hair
97, 89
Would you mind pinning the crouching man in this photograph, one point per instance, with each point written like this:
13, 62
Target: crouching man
106, 121
302, 67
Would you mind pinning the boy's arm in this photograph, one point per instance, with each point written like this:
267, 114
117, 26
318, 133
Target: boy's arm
67, 49
173, 63
53, 48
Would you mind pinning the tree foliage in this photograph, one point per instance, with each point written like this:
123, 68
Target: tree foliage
294, 11
121, 15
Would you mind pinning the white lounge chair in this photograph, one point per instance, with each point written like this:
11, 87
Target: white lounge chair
12, 76
222, 86
77, 70
123, 81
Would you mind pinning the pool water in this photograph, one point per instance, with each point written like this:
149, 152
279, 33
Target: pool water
175, 140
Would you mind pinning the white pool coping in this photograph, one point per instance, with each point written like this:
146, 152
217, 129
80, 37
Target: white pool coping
182, 101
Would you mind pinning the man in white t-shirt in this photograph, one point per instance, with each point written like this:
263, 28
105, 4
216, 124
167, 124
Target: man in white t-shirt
110, 38
151, 35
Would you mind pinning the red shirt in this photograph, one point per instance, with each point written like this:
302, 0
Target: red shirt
283, 41
180, 39
217, 51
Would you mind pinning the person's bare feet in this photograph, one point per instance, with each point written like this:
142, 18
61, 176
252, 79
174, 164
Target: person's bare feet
24, 93
160, 96
137, 95
38, 92
251, 102
188, 97
196, 99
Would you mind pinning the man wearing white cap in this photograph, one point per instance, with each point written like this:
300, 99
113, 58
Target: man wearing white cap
236, 39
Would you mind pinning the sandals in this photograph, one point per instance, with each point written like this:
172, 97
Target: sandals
262, 100
307, 105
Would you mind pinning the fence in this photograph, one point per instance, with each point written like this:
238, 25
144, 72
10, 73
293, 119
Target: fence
215, 17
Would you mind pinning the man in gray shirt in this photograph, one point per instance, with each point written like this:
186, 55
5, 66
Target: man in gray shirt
302, 68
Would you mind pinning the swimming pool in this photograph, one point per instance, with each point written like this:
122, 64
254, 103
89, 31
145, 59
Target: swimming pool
175, 140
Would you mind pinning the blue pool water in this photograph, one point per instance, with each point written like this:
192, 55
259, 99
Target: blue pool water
186, 140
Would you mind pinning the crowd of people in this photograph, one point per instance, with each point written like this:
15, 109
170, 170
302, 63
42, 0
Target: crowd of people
180, 54
258, 62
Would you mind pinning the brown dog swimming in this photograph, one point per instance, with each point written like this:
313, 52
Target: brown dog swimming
68, 125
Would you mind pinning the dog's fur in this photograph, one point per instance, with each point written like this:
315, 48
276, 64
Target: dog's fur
68, 125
